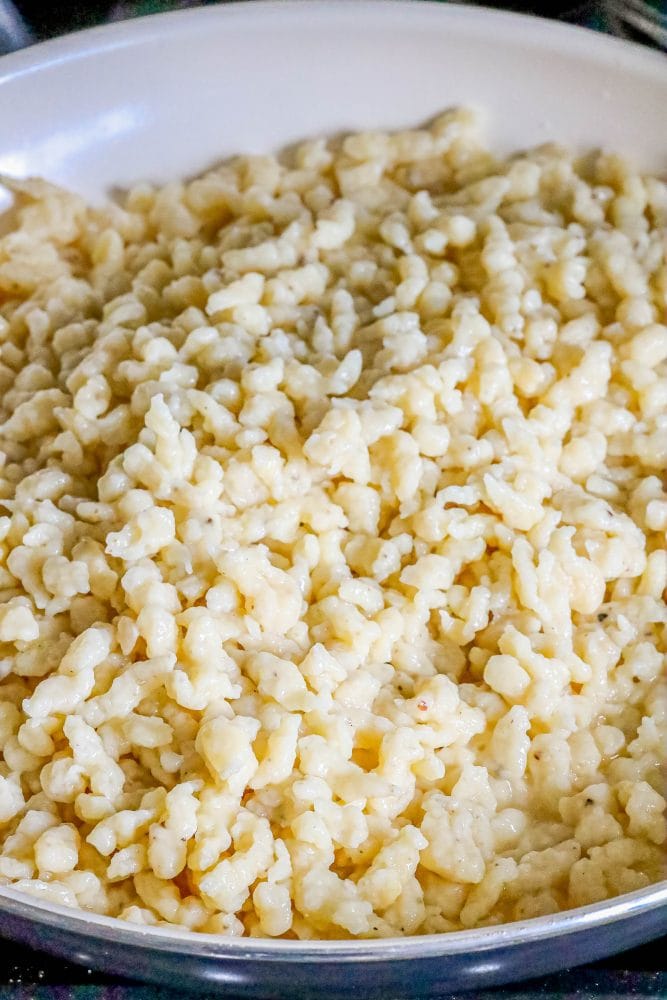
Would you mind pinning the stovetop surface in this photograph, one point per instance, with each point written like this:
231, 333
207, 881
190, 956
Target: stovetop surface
637, 974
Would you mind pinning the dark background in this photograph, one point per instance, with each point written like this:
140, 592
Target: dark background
27, 975
49, 19
643, 21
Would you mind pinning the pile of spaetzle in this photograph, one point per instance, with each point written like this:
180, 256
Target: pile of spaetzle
332, 540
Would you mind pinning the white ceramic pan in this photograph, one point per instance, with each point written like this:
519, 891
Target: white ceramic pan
165, 97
